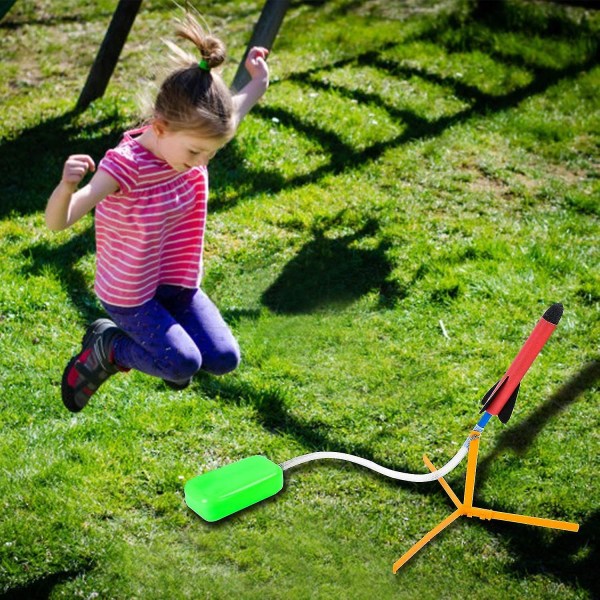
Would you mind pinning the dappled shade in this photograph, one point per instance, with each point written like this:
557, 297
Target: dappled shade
329, 272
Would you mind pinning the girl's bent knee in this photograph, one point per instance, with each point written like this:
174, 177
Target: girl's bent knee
181, 366
224, 363
189, 366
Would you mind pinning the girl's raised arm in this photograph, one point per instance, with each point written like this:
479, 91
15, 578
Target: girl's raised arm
249, 95
67, 204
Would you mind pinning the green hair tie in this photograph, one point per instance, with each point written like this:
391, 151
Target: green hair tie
203, 64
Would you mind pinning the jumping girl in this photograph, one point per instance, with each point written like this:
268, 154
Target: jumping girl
150, 194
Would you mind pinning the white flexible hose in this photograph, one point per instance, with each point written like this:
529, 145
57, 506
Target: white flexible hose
451, 464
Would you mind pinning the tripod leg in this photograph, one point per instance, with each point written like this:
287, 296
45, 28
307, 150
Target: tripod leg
471, 469
487, 514
443, 483
457, 513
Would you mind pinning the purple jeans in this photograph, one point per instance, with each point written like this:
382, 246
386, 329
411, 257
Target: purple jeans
174, 335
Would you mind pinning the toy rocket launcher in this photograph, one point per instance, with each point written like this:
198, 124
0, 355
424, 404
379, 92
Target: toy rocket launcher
217, 494
501, 398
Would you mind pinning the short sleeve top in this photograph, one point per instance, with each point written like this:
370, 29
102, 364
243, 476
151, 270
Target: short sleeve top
151, 231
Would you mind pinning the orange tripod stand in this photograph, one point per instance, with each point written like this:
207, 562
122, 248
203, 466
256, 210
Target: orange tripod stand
467, 509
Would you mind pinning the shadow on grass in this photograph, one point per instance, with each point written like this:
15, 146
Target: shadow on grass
31, 164
572, 558
42, 588
332, 272
549, 20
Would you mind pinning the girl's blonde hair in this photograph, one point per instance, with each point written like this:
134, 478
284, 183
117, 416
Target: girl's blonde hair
195, 97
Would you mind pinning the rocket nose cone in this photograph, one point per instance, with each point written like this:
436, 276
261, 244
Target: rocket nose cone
554, 313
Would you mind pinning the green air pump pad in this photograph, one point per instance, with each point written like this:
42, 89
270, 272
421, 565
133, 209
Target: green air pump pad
226, 490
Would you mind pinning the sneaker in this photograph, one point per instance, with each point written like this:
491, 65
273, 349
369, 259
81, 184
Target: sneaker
89, 369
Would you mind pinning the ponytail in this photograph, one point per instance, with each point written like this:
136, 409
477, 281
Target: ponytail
211, 48
194, 96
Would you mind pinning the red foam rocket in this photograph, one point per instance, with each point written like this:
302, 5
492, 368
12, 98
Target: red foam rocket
501, 398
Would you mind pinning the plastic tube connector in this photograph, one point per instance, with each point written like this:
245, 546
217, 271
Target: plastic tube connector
369, 464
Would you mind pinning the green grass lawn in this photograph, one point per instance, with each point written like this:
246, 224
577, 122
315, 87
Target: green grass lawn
416, 168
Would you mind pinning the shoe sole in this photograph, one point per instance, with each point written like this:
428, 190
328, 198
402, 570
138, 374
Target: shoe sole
67, 390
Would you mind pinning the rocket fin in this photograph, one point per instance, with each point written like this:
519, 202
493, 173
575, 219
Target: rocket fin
489, 395
506, 412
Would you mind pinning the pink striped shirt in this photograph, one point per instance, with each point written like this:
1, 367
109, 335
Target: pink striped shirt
151, 231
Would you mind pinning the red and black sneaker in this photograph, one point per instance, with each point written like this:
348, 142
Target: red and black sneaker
89, 369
